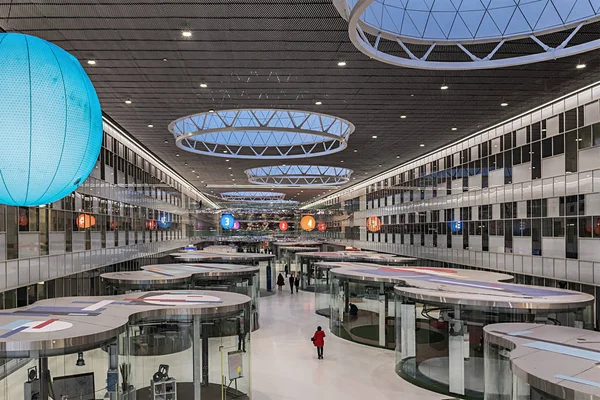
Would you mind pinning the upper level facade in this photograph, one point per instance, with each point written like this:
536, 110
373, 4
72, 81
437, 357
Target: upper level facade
131, 205
521, 196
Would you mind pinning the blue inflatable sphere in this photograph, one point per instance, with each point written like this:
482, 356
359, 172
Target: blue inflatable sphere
227, 221
50, 122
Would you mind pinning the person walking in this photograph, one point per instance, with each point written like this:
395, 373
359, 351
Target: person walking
291, 279
318, 340
286, 268
297, 283
280, 281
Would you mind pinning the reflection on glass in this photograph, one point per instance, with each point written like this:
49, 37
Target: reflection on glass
441, 346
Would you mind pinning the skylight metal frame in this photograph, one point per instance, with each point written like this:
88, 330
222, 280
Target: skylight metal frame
299, 175
358, 31
261, 133
253, 197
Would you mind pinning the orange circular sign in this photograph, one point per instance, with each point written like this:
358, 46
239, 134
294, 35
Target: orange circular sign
373, 224
85, 221
322, 226
283, 226
307, 223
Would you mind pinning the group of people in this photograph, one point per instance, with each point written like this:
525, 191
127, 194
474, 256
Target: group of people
294, 281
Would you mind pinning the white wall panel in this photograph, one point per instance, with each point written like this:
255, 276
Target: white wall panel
589, 250
553, 247
553, 166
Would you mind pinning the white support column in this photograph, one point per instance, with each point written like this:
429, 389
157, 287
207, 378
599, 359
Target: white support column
382, 315
197, 358
408, 345
456, 354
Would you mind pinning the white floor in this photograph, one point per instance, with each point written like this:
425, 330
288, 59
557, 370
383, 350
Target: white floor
285, 364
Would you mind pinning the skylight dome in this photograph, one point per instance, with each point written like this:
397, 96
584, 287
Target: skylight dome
299, 175
261, 133
250, 197
463, 23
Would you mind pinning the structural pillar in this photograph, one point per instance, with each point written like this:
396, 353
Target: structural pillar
382, 314
197, 357
456, 354
269, 277
44, 378
112, 375
204, 336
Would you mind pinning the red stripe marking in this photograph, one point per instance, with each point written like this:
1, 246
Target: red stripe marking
45, 323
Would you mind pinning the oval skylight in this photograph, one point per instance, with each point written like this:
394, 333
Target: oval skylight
421, 33
261, 133
458, 20
299, 175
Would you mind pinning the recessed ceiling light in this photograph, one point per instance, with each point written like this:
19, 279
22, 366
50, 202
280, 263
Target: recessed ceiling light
230, 174
454, 129
580, 66
397, 156
503, 104
177, 155
150, 126
203, 85
233, 179
341, 63
166, 141
185, 163
374, 136
127, 101
380, 165
229, 168
193, 170
210, 110
227, 160
93, 62
444, 87
198, 176
422, 145
355, 150
186, 33
342, 161
164, 59
224, 151
403, 116
318, 103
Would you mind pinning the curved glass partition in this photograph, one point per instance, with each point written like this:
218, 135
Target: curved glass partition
243, 279
311, 275
264, 261
362, 297
440, 330
145, 345
527, 361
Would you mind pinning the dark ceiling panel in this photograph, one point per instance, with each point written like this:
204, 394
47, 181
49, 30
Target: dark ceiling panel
281, 54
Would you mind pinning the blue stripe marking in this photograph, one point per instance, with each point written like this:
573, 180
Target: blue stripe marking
25, 314
14, 331
519, 333
15, 324
577, 380
566, 350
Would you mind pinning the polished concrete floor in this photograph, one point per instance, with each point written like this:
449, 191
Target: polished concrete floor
285, 365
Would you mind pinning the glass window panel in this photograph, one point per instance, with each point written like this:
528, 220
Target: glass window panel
584, 137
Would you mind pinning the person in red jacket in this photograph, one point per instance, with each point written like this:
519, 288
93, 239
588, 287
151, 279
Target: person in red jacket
318, 340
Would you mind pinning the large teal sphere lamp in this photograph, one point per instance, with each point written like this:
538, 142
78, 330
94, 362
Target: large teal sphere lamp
50, 122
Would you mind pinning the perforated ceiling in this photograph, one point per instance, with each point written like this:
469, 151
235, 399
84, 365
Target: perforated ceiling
278, 54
